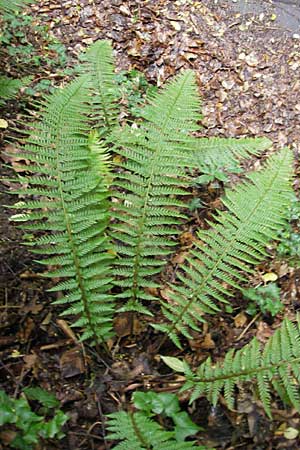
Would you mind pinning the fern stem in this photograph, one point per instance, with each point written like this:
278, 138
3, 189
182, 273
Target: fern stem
138, 432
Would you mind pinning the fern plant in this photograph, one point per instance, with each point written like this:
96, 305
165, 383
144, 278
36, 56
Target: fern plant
276, 366
108, 226
72, 179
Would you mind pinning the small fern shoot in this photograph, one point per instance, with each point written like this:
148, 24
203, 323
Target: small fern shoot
71, 206
277, 366
152, 176
256, 210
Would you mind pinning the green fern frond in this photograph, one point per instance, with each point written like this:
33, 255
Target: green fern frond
138, 432
72, 207
152, 177
256, 210
276, 368
13, 5
98, 64
225, 152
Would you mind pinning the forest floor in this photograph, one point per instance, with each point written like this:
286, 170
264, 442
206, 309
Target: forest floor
247, 68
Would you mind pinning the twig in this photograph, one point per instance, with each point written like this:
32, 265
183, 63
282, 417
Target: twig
248, 326
102, 421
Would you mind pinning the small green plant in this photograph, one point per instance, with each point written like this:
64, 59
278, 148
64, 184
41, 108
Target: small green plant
9, 87
28, 427
32, 49
289, 245
134, 89
210, 175
142, 429
263, 298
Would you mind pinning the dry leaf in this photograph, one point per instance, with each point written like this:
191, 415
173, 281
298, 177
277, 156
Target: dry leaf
3, 123
270, 276
208, 343
71, 363
240, 320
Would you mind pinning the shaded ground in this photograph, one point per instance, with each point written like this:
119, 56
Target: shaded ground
247, 69
286, 13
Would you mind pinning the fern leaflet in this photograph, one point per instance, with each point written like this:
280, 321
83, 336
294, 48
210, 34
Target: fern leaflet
225, 152
98, 65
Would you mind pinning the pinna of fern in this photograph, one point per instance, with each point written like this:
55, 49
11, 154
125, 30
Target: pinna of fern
277, 366
71, 207
152, 177
256, 210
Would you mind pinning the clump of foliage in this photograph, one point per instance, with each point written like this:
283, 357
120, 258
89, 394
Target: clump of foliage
108, 233
27, 427
134, 88
263, 298
9, 87
139, 429
30, 49
289, 246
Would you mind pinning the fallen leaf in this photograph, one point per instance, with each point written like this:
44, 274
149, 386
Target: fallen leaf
175, 25
269, 276
240, 320
208, 342
3, 123
71, 363
251, 59
291, 433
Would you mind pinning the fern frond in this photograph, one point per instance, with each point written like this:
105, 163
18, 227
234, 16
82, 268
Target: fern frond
256, 210
225, 152
72, 207
153, 175
138, 432
98, 64
276, 367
